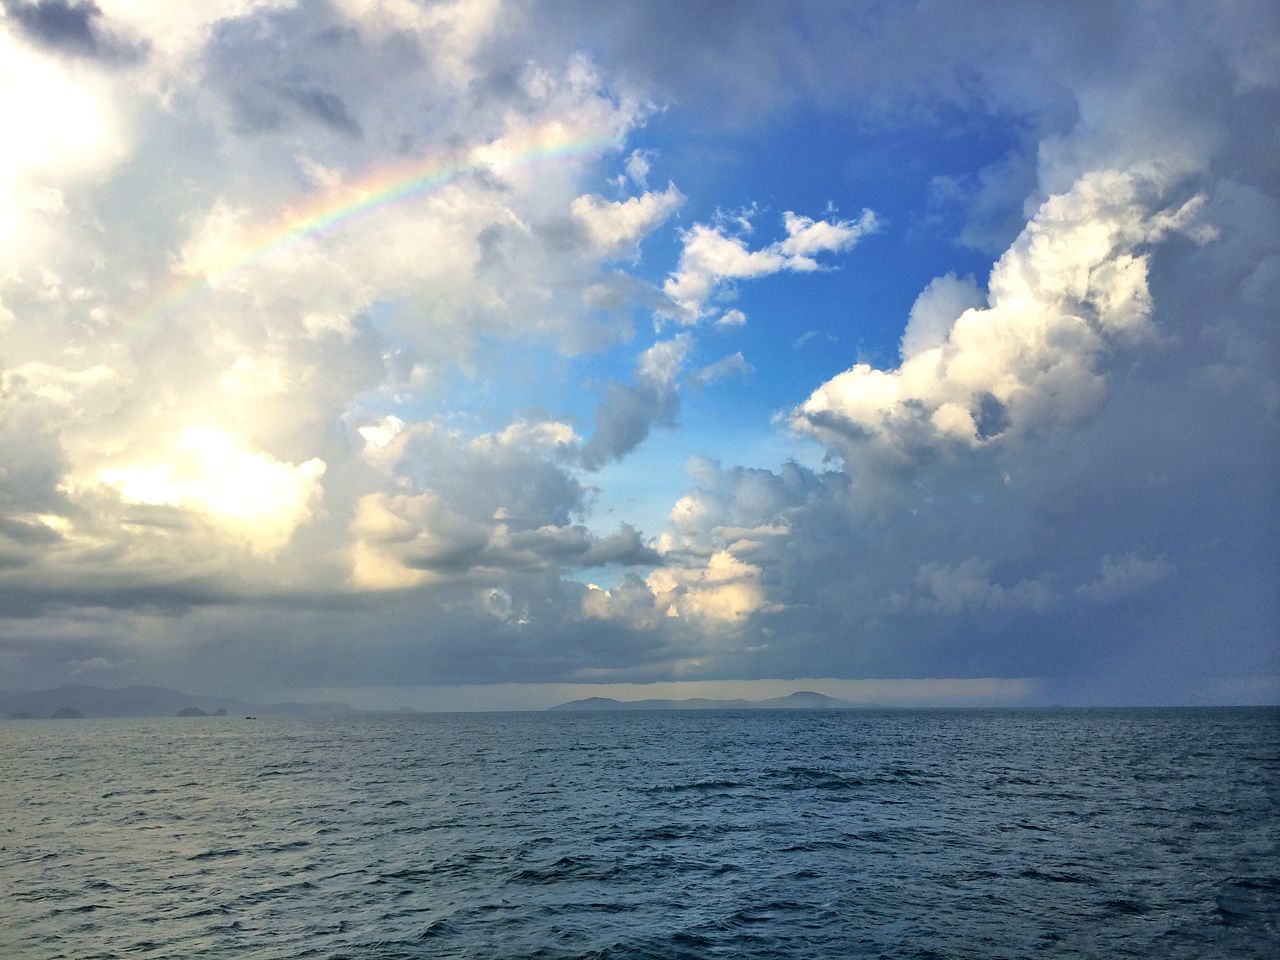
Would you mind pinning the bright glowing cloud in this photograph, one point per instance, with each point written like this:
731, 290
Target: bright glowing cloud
247, 492
722, 592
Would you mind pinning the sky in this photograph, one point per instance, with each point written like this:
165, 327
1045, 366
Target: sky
483, 354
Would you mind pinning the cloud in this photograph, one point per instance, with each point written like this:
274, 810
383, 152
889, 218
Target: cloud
935, 311
224, 417
615, 228
710, 257
638, 167
723, 591
32, 462
477, 509
406, 540
401, 539
1124, 576
715, 596
64, 131
248, 492
326, 107
175, 390
629, 411
968, 588
731, 365
1071, 289
72, 28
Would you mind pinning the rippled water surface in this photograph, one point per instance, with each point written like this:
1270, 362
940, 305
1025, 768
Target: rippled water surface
839, 834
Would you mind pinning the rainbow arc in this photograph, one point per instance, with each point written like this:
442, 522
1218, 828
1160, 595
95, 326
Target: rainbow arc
327, 212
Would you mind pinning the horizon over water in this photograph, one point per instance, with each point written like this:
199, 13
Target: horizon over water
1104, 832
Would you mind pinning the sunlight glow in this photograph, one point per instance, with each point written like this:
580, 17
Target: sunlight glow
247, 491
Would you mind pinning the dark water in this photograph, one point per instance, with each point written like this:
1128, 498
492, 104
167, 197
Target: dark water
848, 834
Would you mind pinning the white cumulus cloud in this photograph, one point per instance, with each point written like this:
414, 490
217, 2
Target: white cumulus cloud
1071, 288
710, 257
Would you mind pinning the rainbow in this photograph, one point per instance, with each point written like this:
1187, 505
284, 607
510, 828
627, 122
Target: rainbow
325, 213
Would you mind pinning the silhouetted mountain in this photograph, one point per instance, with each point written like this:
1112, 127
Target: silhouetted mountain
800, 700
147, 701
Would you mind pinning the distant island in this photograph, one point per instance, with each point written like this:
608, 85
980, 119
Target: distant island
76, 701
800, 700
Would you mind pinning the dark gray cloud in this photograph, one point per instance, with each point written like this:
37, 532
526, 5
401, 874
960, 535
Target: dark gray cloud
563, 548
32, 463
998, 565
26, 532
624, 418
290, 66
49, 598
266, 108
324, 106
72, 27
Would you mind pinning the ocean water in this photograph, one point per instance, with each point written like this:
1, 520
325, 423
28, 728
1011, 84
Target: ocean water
1107, 833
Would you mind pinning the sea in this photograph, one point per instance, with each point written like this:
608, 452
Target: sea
750, 834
